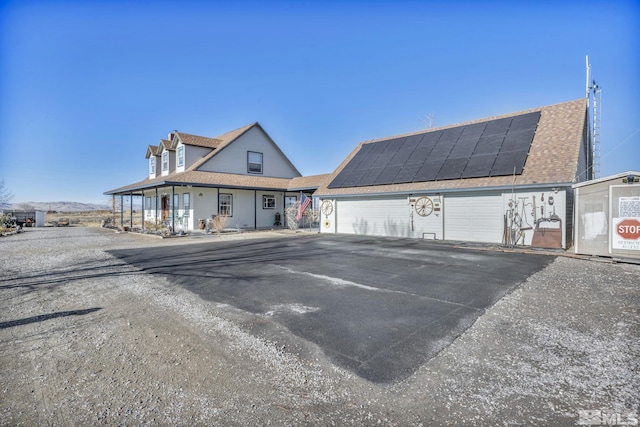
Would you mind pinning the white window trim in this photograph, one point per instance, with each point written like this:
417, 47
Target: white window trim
180, 154
249, 162
230, 204
165, 161
186, 202
265, 202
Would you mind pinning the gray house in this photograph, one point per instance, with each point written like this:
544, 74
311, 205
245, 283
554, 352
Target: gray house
241, 174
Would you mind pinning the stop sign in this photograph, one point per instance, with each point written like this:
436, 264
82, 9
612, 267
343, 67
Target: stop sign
628, 229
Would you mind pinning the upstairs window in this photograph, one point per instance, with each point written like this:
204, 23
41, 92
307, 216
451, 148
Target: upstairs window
254, 162
181, 156
165, 161
152, 165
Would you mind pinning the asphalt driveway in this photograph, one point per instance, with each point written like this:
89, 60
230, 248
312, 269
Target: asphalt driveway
380, 307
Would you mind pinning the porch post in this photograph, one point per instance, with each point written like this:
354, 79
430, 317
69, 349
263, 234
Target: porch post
173, 208
255, 210
131, 209
156, 206
113, 208
143, 206
121, 210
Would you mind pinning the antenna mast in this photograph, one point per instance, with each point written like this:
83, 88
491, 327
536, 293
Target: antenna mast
594, 98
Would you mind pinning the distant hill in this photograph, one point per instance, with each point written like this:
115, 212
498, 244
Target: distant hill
62, 206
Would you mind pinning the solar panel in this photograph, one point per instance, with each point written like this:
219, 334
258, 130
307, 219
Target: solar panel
497, 127
479, 166
370, 176
488, 145
388, 174
520, 140
428, 172
407, 173
524, 121
508, 161
452, 168
352, 179
490, 148
464, 147
473, 131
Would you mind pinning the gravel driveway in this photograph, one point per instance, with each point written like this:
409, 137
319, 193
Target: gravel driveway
86, 339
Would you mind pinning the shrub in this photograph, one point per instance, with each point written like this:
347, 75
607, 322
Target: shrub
220, 222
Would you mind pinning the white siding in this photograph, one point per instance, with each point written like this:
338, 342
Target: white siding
266, 217
474, 218
233, 158
203, 207
373, 217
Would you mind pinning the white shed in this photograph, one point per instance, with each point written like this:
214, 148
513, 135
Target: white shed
607, 216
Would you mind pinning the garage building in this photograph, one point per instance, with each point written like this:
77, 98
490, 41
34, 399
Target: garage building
505, 180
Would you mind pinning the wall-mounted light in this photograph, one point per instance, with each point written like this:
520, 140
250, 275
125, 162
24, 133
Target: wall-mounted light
200, 194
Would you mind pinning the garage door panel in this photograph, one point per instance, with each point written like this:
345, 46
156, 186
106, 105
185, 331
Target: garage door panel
476, 218
377, 217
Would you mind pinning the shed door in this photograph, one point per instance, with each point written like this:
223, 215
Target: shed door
477, 218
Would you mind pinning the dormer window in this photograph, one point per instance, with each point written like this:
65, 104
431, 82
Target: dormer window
165, 161
180, 156
254, 162
152, 165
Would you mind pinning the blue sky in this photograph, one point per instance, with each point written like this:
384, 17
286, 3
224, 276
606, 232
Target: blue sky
85, 87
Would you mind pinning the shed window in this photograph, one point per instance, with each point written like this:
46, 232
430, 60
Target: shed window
268, 202
254, 162
225, 204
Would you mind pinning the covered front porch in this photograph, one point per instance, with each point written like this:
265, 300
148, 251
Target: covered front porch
171, 208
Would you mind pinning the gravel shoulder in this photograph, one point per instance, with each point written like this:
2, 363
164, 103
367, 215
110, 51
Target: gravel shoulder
86, 339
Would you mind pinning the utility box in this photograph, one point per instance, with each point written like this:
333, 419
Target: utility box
607, 216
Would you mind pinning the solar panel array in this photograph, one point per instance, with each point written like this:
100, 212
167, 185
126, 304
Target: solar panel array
491, 148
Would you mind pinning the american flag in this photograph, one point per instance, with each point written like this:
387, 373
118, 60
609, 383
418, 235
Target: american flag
304, 204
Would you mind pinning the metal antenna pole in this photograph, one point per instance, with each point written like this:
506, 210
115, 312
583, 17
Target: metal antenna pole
597, 119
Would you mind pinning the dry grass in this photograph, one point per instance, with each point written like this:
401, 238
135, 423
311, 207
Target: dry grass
84, 219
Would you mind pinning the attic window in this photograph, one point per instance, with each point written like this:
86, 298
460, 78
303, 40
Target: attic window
181, 156
254, 162
152, 165
165, 161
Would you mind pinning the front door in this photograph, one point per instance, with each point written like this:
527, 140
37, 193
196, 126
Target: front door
165, 208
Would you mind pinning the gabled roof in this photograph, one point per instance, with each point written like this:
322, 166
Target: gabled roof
227, 138
196, 140
152, 150
164, 145
552, 157
192, 176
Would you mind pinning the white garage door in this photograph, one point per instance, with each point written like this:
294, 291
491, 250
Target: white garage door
477, 218
373, 217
